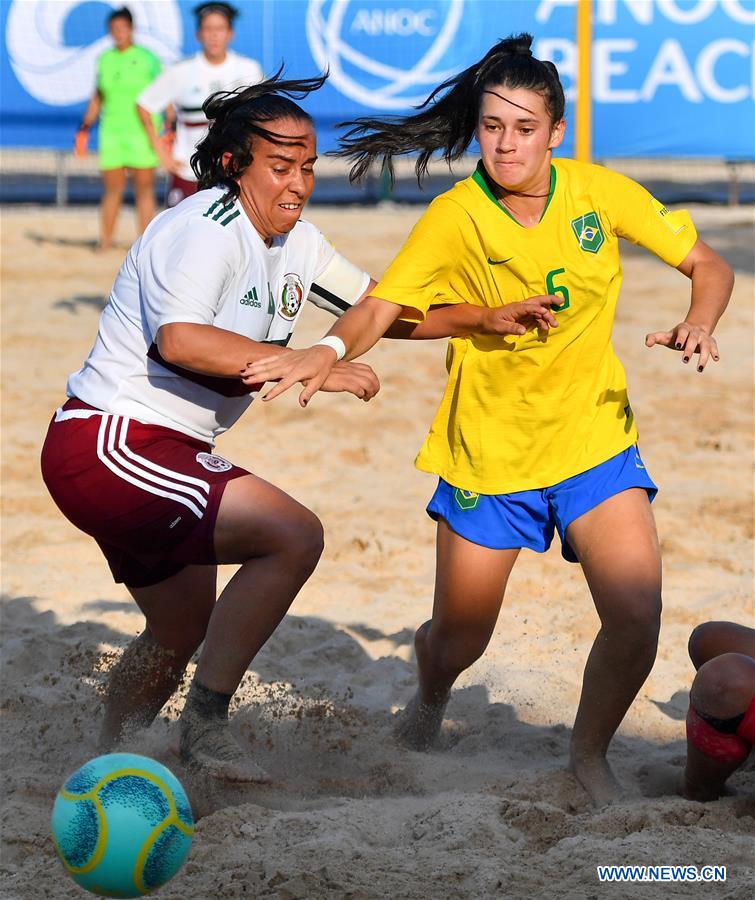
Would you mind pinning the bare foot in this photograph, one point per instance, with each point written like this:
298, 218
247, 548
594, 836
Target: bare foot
596, 777
210, 749
419, 723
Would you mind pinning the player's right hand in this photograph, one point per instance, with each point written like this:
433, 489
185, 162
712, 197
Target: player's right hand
519, 317
80, 143
311, 367
354, 378
171, 165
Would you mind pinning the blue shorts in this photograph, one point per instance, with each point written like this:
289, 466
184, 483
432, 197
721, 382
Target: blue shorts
529, 518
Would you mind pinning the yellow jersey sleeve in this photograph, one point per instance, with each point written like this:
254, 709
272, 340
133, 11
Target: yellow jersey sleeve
636, 215
423, 273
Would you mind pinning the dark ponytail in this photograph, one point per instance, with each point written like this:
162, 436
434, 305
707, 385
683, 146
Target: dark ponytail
447, 120
236, 117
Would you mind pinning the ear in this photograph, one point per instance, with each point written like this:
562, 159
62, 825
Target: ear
557, 134
225, 160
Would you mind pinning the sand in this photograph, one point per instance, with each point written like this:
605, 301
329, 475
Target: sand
491, 812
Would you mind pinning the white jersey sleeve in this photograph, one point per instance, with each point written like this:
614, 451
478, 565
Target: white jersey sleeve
183, 273
338, 283
164, 90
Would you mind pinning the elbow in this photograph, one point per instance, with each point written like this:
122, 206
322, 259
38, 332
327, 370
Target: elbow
169, 343
729, 275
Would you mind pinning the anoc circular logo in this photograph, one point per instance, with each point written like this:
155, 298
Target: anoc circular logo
385, 55
56, 66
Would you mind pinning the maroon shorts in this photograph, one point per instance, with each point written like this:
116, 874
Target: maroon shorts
179, 189
148, 495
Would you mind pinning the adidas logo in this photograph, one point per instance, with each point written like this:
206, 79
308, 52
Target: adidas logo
250, 299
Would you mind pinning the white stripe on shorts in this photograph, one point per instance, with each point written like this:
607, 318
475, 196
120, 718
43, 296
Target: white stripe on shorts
63, 415
148, 464
119, 467
174, 479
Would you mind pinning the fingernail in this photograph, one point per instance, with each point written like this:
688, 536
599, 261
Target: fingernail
685, 359
699, 368
678, 346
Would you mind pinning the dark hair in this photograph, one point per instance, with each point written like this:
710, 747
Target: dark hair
225, 9
122, 13
448, 117
236, 118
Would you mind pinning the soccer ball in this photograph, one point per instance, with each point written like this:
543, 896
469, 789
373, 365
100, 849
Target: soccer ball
122, 825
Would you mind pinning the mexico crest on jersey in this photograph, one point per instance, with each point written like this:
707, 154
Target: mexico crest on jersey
291, 296
588, 232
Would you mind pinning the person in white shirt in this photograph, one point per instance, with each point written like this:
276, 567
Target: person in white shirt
211, 286
185, 86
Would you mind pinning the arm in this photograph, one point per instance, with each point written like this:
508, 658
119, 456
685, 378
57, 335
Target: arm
448, 320
359, 329
163, 153
209, 349
459, 319
214, 351
367, 321
712, 282
91, 114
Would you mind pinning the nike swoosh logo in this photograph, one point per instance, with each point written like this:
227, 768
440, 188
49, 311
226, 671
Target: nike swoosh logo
499, 262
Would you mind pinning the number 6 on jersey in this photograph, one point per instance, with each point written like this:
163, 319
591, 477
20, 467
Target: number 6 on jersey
551, 288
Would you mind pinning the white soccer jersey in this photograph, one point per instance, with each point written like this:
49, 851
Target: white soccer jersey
204, 262
185, 86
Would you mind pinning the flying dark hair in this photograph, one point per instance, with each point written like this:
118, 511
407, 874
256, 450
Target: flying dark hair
122, 13
446, 121
236, 117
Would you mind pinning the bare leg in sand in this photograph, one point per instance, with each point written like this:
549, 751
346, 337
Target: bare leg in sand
617, 546
278, 543
469, 585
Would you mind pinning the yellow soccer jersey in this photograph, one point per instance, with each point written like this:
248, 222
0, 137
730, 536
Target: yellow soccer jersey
525, 412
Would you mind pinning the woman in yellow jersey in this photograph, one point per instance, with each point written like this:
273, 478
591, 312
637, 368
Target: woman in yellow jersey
122, 73
534, 432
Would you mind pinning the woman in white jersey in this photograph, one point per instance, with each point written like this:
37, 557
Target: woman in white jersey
211, 286
184, 87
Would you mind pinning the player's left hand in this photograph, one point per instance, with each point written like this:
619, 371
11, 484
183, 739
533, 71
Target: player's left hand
688, 339
80, 143
354, 378
310, 367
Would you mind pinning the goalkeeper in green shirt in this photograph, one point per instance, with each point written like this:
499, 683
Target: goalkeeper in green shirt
122, 73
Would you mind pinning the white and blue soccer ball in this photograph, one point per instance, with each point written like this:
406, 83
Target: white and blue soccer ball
122, 825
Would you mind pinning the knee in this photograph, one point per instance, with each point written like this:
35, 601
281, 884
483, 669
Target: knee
637, 616
705, 642
724, 686
303, 542
454, 651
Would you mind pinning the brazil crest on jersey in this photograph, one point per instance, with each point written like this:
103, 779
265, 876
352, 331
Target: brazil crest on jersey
525, 412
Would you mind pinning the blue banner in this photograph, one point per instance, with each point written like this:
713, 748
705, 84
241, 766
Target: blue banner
669, 77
